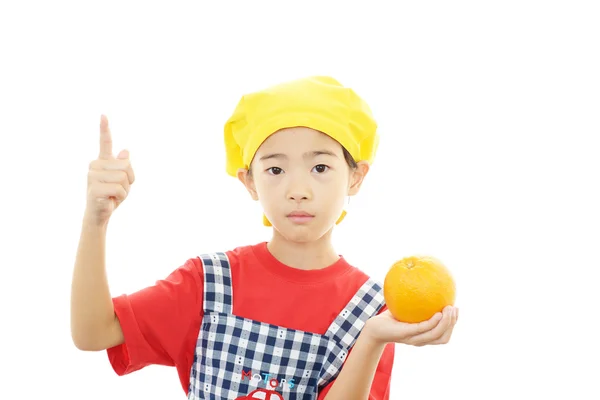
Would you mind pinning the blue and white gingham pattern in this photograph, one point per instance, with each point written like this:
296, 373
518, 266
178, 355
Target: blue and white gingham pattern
229, 348
218, 295
345, 329
351, 320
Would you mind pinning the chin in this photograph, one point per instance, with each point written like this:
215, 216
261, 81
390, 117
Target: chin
302, 234
297, 238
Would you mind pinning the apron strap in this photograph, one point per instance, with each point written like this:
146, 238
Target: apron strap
218, 295
365, 304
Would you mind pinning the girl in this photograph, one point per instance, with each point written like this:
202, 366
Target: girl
299, 148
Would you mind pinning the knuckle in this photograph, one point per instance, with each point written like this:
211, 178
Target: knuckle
96, 164
94, 177
121, 191
125, 180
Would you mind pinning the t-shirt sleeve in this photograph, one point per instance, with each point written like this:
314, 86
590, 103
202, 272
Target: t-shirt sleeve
160, 323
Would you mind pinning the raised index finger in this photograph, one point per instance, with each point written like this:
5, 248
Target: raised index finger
105, 139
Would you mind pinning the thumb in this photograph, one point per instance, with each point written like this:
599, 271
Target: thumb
123, 155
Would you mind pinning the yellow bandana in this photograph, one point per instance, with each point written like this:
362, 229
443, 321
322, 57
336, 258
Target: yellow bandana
317, 102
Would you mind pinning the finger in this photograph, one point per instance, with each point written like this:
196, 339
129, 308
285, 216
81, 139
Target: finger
105, 139
437, 331
415, 329
114, 165
130, 174
110, 177
448, 334
124, 155
107, 190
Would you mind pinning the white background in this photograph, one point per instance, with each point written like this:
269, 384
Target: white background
489, 120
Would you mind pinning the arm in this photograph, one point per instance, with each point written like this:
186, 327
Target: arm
94, 325
355, 378
160, 323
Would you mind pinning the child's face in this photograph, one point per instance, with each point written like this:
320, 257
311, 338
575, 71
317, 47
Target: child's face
301, 169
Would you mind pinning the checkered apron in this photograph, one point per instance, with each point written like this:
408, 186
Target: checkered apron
235, 356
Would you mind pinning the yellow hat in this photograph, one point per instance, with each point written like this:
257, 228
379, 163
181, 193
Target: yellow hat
317, 102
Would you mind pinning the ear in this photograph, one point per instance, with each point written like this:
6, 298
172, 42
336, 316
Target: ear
357, 177
248, 182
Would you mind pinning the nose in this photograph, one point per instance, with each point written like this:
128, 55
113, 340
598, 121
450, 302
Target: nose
297, 196
299, 190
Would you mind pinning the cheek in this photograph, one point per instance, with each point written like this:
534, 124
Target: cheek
267, 190
334, 183
259, 181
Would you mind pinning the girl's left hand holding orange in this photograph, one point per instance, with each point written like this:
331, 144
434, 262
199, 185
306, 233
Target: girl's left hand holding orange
384, 328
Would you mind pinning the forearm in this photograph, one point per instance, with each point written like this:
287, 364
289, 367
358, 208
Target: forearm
355, 378
92, 311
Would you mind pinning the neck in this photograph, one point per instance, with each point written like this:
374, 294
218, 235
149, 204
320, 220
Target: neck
303, 255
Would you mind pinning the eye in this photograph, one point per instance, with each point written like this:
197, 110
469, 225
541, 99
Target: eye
321, 168
275, 170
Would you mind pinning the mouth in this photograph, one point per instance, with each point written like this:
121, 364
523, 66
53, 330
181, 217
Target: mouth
300, 217
299, 214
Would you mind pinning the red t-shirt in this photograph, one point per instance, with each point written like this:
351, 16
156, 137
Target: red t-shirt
161, 323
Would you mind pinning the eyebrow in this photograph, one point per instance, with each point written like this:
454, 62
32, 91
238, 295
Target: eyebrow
310, 154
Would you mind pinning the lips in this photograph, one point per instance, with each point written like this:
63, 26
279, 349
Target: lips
300, 217
299, 214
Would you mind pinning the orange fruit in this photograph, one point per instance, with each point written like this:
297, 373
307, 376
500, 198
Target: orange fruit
417, 287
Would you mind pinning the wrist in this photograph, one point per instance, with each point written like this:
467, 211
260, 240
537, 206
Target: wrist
91, 223
368, 335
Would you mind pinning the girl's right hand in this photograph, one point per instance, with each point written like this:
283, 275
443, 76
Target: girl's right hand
109, 179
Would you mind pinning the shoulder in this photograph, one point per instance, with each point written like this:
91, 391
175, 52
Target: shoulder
360, 277
366, 285
233, 257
